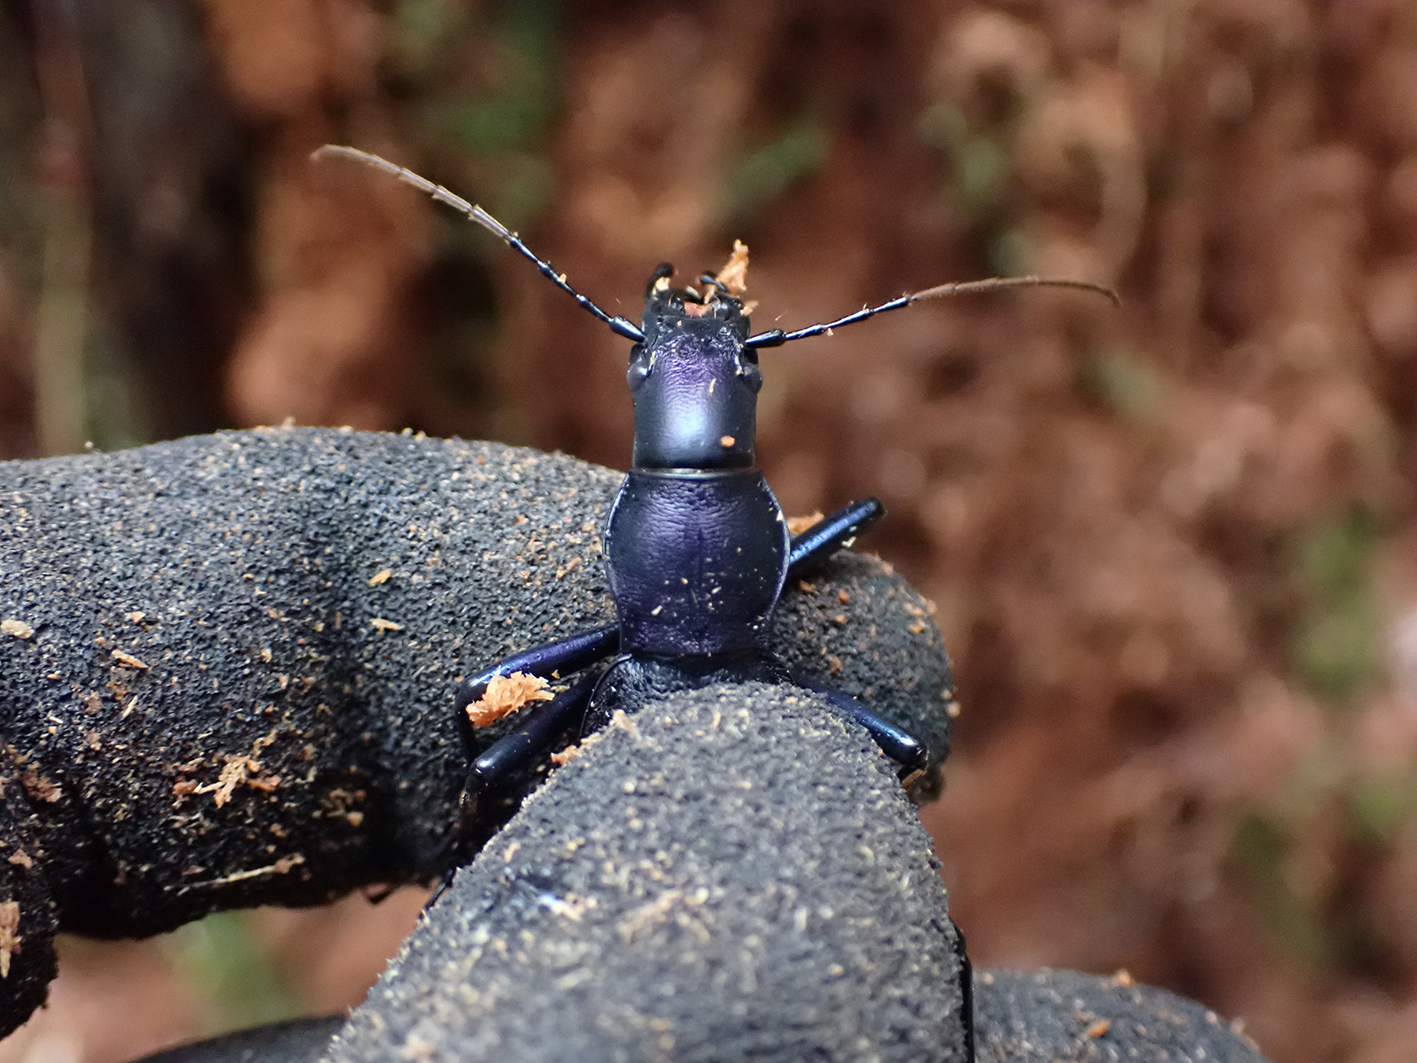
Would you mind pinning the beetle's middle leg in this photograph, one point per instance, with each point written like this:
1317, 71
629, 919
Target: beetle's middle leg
501, 763
813, 546
493, 767
898, 744
554, 659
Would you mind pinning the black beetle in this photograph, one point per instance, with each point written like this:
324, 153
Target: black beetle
696, 546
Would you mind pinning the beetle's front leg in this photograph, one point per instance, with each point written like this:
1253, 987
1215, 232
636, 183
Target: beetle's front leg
854, 628
830, 534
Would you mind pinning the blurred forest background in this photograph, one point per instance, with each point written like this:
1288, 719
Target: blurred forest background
1173, 548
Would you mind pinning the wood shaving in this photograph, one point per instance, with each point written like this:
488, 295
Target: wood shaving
382, 576
562, 757
734, 275
620, 721
18, 628
797, 525
380, 624
1098, 1028
9, 940
38, 787
571, 752
283, 866
506, 694
127, 660
20, 858
239, 770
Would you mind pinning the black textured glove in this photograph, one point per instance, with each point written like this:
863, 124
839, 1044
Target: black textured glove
227, 665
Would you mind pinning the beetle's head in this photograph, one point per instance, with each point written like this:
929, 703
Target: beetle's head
695, 383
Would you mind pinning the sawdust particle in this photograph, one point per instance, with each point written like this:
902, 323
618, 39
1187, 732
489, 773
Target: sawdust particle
38, 787
797, 525
9, 940
18, 628
239, 770
734, 275
504, 695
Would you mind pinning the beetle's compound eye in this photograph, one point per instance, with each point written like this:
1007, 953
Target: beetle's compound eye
750, 372
638, 372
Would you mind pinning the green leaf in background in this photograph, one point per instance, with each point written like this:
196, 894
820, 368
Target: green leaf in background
762, 175
1380, 806
222, 958
1126, 384
980, 163
1336, 641
1260, 853
514, 110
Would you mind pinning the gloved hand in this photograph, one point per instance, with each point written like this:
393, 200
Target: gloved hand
227, 665
226, 673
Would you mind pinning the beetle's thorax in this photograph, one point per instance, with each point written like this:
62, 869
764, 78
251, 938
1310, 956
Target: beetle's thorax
695, 385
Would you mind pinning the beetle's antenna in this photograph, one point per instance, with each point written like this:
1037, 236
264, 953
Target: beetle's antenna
619, 325
776, 337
